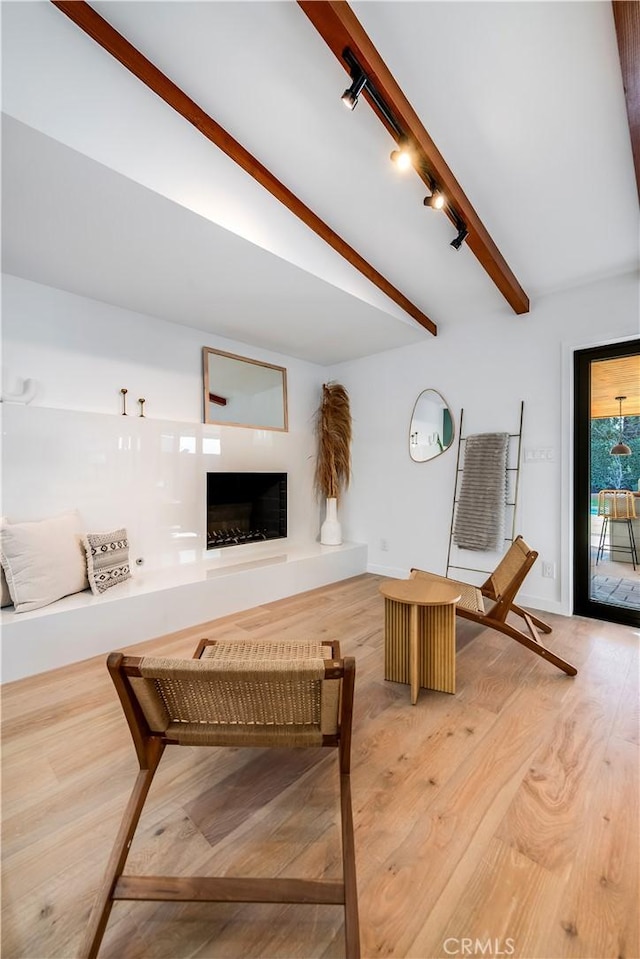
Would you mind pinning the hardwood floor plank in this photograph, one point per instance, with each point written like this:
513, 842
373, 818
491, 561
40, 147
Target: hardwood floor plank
591, 915
219, 811
506, 810
499, 903
473, 801
546, 820
403, 771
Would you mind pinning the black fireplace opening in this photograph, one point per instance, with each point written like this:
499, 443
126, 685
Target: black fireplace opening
245, 508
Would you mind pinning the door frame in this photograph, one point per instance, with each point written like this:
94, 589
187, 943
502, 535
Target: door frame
583, 604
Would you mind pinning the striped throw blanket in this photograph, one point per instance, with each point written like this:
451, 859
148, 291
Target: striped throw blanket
480, 513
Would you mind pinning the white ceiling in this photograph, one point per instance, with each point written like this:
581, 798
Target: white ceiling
110, 194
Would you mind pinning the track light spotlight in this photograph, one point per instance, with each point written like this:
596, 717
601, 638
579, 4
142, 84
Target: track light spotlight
403, 156
459, 240
350, 96
435, 201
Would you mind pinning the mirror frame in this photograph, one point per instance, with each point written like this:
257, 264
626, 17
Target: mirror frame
208, 352
445, 406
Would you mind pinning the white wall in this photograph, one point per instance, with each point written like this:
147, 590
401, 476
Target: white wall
486, 369
82, 352
71, 448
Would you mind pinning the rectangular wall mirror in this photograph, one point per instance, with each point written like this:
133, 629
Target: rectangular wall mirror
243, 392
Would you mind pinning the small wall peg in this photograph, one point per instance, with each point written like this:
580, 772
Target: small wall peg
142, 401
25, 392
124, 401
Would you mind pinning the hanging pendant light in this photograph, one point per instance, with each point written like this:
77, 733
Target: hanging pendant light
621, 448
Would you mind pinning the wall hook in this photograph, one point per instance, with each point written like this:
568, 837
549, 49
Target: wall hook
141, 401
26, 391
124, 401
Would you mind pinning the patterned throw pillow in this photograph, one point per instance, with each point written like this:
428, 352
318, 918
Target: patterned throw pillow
107, 559
5, 596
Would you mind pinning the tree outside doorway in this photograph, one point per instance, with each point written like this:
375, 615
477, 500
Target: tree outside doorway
614, 472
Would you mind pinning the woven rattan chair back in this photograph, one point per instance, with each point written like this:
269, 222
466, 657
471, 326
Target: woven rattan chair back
213, 702
512, 569
234, 694
616, 504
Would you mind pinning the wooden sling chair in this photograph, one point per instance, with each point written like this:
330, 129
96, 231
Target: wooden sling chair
233, 694
501, 589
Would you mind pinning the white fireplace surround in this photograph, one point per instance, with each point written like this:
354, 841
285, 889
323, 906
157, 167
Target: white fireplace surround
161, 601
150, 476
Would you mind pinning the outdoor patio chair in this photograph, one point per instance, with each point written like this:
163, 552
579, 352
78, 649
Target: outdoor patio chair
617, 506
256, 694
500, 589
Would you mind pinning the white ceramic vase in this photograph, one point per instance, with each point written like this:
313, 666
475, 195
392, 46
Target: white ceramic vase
331, 531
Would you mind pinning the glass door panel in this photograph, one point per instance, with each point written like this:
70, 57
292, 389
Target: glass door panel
607, 483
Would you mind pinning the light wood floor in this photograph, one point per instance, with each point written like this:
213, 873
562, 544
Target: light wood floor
506, 813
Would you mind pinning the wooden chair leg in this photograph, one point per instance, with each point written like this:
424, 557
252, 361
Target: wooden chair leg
104, 901
351, 920
539, 623
531, 644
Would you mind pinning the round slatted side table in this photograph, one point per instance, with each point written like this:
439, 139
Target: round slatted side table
420, 634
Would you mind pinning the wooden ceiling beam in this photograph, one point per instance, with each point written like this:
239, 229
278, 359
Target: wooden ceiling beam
339, 27
626, 16
85, 17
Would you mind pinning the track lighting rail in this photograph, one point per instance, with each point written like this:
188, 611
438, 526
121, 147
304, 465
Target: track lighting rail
368, 88
339, 27
406, 155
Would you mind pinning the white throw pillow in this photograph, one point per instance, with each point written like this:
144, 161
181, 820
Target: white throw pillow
44, 560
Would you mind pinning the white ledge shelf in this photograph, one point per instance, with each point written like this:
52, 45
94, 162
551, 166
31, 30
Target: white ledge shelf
155, 602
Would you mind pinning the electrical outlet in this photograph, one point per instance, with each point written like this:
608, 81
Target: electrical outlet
384, 545
549, 570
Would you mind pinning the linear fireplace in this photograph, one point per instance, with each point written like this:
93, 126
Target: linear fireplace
245, 508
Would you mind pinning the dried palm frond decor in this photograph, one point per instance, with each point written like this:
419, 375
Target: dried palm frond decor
333, 463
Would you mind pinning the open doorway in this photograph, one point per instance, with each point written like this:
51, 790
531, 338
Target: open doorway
607, 483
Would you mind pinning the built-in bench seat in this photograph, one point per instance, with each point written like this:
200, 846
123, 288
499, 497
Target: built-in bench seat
154, 602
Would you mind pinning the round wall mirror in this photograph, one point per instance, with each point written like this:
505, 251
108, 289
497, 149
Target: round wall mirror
431, 430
